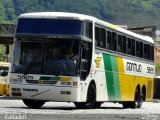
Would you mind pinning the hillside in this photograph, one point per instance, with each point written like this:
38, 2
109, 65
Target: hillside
127, 12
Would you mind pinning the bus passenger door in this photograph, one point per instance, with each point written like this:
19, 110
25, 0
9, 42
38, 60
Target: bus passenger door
85, 62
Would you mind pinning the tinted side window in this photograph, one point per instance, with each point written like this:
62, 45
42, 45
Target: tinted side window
114, 41
133, 47
100, 37
137, 48
124, 44
103, 38
145, 51
97, 36
120, 43
88, 30
141, 49
129, 46
152, 53
149, 52
109, 40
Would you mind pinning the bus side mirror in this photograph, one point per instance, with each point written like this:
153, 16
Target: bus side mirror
83, 69
83, 64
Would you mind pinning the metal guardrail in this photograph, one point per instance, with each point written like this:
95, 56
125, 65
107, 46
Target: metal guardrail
7, 30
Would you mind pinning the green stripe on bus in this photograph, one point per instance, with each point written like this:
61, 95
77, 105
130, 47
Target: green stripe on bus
109, 76
49, 78
112, 80
115, 77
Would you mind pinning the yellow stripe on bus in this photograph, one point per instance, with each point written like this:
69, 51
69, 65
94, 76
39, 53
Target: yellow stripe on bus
65, 78
121, 78
114, 27
128, 83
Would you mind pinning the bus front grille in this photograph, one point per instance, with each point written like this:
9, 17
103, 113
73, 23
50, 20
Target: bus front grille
41, 81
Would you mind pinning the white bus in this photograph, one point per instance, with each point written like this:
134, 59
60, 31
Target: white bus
77, 58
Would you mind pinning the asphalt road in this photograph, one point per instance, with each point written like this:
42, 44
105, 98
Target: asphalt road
15, 110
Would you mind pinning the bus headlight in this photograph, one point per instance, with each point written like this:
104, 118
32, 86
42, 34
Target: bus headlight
15, 80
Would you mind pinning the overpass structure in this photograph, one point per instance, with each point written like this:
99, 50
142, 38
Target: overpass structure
6, 38
146, 30
7, 33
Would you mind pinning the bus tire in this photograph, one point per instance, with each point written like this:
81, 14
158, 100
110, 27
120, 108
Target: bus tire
137, 100
91, 99
97, 105
34, 104
141, 100
137, 103
126, 104
143, 96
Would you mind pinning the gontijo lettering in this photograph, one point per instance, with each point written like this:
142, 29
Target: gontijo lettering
134, 67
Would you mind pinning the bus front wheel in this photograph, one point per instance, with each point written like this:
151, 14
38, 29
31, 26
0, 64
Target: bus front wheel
91, 99
34, 104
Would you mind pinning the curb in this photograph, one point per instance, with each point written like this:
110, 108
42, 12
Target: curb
156, 101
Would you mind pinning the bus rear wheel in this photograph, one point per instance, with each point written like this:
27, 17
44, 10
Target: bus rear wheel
137, 103
91, 99
141, 100
34, 104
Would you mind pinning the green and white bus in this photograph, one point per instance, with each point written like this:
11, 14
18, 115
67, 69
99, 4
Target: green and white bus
77, 58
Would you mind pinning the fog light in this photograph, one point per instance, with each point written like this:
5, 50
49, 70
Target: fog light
68, 83
63, 83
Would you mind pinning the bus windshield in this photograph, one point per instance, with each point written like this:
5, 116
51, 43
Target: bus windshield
46, 56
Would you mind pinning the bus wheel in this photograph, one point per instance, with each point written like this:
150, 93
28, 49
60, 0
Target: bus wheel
97, 105
140, 100
126, 104
137, 100
137, 103
35, 104
91, 99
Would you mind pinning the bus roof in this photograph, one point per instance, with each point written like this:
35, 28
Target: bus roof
54, 15
57, 15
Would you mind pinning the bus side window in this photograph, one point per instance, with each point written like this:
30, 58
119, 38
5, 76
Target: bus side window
149, 53
109, 41
114, 41
129, 46
141, 49
120, 43
145, 51
103, 38
133, 47
152, 53
97, 36
137, 48
124, 45
88, 30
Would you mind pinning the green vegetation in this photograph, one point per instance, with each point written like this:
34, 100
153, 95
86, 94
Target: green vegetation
129, 12
157, 69
2, 53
